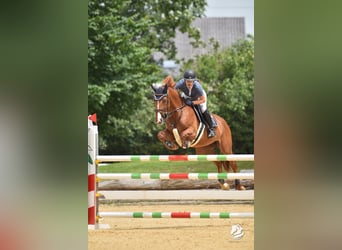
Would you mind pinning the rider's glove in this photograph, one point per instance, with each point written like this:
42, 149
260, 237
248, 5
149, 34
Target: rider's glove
188, 102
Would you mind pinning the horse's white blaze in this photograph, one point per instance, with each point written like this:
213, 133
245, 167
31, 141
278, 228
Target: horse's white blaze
159, 119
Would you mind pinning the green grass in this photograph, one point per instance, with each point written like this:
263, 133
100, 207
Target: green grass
167, 167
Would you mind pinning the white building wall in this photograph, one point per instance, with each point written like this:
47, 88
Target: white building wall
233, 8
238, 21
225, 30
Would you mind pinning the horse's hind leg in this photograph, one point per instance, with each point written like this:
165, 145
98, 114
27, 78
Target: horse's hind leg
211, 150
234, 167
226, 148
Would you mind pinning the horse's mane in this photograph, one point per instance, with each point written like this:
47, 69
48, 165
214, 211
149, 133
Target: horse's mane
169, 81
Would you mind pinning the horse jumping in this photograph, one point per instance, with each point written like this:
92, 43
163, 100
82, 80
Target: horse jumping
183, 128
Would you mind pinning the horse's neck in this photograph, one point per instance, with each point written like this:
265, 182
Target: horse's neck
176, 100
181, 117
174, 107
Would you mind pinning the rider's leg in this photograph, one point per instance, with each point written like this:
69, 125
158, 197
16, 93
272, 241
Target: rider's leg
208, 120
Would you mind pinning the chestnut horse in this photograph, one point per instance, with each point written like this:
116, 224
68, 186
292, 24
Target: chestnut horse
182, 128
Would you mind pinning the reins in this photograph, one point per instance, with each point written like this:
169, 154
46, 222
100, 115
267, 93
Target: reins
166, 113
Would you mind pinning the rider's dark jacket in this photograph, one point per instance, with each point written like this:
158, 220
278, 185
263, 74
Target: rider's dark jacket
196, 90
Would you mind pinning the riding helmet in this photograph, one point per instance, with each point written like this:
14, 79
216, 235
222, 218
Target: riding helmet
189, 75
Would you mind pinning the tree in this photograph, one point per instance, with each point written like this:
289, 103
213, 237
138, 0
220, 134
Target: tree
228, 75
122, 36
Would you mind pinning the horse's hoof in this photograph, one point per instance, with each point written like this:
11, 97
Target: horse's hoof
225, 186
169, 145
240, 187
187, 144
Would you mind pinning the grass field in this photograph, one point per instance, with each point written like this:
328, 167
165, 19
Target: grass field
165, 167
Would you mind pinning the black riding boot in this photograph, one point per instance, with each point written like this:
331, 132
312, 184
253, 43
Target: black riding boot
209, 121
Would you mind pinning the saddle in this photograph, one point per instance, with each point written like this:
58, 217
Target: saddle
200, 129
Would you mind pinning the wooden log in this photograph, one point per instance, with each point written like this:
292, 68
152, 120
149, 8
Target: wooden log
168, 184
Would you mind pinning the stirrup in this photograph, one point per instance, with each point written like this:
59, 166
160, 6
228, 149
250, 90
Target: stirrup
213, 122
211, 133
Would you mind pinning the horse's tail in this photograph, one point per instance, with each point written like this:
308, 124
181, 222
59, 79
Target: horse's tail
226, 144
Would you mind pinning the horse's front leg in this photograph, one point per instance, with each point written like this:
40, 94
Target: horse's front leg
224, 185
167, 139
233, 165
187, 136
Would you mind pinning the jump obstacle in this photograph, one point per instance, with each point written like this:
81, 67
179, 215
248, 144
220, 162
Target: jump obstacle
115, 158
178, 195
189, 215
173, 176
94, 159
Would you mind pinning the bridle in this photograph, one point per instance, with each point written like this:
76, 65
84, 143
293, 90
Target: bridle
165, 114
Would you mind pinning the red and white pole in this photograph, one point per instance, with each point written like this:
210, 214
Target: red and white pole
92, 152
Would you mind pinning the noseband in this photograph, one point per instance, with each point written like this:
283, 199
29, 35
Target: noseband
165, 113
158, 98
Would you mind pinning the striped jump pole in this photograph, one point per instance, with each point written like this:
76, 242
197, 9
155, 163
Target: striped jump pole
92, 152
168, 176
118, 158
183, 215
93, 222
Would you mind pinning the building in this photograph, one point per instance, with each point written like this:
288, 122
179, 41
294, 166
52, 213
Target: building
226, 21
225, 30
233, 8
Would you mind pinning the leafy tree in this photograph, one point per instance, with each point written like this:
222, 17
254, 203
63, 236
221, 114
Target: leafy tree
228, 76
122, 36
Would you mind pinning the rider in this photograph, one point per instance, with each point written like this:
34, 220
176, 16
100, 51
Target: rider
194, 94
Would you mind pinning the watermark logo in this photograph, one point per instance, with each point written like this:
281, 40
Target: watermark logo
237, 232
